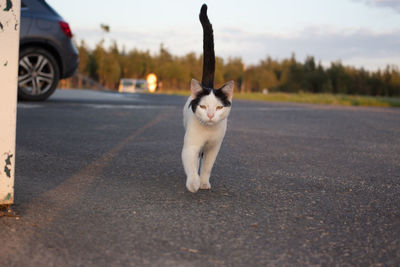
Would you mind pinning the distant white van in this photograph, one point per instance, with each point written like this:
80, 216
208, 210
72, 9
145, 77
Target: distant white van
132, 85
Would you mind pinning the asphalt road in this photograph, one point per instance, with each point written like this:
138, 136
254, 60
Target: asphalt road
99, 182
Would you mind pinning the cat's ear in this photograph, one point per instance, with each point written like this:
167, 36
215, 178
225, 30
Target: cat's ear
227, 89
195, 88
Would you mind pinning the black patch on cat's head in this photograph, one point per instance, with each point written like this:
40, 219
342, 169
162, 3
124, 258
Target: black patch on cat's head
195, 102
222, 97
206, 91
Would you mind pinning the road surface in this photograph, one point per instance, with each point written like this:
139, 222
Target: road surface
99, 182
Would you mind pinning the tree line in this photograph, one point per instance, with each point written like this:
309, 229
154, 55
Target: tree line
107, 66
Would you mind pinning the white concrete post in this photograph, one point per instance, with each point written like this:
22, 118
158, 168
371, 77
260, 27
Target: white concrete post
9, 47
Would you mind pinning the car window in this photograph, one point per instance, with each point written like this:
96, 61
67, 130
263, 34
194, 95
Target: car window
38, 7
141, 84
127, 83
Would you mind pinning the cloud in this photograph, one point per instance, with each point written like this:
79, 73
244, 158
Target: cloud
321, 42
178, 42
394, 4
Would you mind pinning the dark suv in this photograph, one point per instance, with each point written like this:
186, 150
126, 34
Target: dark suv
46, 53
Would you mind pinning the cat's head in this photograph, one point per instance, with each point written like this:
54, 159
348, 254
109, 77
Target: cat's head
210, 105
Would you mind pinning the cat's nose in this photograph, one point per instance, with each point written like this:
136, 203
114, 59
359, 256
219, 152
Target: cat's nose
210, 116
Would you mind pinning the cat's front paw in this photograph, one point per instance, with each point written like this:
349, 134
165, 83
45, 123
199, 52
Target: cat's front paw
193, 184
205, 185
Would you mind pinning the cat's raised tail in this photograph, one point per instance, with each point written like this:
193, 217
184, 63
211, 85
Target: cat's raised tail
208, 49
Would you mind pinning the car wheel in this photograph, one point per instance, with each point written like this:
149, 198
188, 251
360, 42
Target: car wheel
38, 74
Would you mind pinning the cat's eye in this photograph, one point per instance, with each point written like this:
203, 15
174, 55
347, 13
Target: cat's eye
203, 107
219, 107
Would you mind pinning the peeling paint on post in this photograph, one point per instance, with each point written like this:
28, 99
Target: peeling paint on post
9, 45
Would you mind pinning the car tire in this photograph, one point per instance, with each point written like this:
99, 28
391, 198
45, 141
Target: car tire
38, 74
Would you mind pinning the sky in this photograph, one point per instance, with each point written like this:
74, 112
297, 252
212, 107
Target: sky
359, 33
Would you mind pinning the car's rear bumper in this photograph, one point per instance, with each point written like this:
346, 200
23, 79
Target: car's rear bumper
70, 60
71, 68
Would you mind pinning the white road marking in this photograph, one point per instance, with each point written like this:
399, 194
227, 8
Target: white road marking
271, 108
110, 106
29, 105
97, 106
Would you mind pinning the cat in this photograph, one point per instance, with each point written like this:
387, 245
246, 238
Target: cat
204, 116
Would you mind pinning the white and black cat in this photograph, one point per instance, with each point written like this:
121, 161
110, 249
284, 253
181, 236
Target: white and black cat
204, 116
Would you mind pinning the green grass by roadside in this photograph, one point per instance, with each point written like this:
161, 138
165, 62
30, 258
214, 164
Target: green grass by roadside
308, 98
